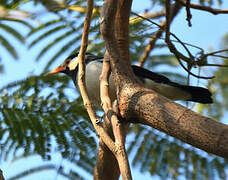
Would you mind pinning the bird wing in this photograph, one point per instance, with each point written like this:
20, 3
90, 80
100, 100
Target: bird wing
144, 73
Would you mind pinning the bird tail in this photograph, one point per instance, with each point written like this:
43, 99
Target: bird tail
198, 94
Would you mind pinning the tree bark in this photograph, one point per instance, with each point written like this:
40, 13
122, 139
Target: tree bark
106, 164
178, 121
140, 105
1, 175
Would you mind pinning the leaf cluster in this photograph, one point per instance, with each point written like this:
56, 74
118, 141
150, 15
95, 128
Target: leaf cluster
168, 158
42, 123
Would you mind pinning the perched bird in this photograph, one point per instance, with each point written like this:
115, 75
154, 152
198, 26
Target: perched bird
151, 80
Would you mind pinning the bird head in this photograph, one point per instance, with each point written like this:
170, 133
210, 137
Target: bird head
69, 65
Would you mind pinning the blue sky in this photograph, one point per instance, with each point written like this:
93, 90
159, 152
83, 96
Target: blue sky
206, 32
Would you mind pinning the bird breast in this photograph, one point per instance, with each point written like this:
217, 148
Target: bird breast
93, 72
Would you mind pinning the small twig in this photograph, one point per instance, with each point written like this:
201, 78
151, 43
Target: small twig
220, 56
204, 8
219, 65
81, 81
145, 18
190, 59
182, 65
175, 9
154, 15
1, 175
151, 44
163, 28
202, 60
189, 15
104, 85
173, 49
167, 27
216, 52
176, 52
186, 44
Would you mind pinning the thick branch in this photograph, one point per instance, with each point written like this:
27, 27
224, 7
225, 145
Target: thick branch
104, 169
122, 28
145, 106
120, 132
179, 122
117, 44
118, 59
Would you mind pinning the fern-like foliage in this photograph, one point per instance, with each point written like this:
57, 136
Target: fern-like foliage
161, 155
31, 119
7, 29
32, 171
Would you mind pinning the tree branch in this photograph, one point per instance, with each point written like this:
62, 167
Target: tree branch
151, 44
117, 128
141, 105
173, 49
179, 122
189, 15
81, 81
1, 175
104, 169
137, 19
204, 8
120, 132
175, 9
145, 106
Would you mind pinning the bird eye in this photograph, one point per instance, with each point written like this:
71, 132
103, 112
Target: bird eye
67, 62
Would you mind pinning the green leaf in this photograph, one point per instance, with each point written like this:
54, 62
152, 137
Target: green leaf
33, 171
8, 47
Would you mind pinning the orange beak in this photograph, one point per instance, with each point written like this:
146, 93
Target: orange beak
55, 71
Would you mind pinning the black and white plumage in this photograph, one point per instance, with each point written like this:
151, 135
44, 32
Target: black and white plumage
151, 80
